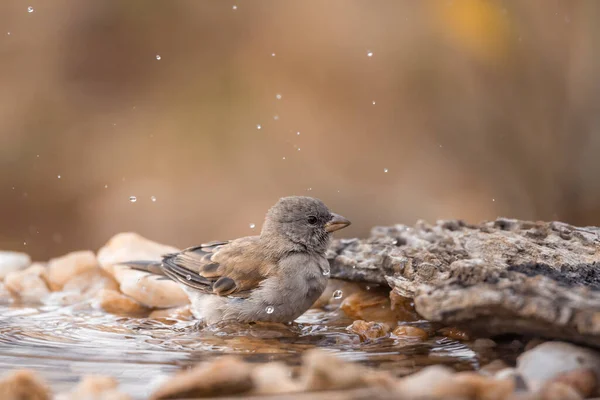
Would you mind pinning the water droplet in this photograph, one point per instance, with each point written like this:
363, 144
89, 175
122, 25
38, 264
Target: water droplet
338, 294
298, 133
153, 199
354, 267
309, 189
24, 243
132, 199
369, 54
374, 102
252, 226
30, 9
272, 54
270, 309
326, 272
493, 199
58, 176
234, 7
188, 277
278, 96
8, 33
298, 148
105, 186
158, 57
258, 126
284, 158
385, 170
275, 117
38, 156
368, 288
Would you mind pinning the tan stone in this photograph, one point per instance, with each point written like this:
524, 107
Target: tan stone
180, 313
411, 333
403, 307
28, 285
65, 268
5, 296
558, 391
336, 292
493, 367
274, 378
583, 380
23, 385
471, 385
423, 384
323, 371
148, 289
83, 287
455, 334
369, 330
369, 306
128, 247
116, 303
551, 360
11, 261
225, 376
139, 285
96, 387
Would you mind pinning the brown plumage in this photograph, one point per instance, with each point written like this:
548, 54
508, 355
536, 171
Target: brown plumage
283, 269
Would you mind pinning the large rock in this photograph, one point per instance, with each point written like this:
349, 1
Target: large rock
505, 276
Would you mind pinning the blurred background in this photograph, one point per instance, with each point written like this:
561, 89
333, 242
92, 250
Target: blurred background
205, 112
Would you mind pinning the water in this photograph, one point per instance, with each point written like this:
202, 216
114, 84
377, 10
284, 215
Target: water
63, 343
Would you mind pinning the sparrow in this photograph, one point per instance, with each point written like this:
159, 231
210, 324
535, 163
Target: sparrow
273, 277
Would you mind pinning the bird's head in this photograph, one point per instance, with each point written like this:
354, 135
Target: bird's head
305, 221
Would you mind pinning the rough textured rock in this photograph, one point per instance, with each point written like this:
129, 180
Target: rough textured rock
11, 261
505, 276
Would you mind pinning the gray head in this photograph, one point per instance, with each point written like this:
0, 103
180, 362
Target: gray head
304, 221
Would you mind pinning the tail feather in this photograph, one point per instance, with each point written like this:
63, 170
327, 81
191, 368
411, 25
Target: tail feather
153, 267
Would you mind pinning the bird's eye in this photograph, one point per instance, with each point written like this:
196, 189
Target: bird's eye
312, 220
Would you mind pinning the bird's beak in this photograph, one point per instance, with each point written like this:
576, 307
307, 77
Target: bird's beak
336, 223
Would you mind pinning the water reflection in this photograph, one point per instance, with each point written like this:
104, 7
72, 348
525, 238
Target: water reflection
64, 343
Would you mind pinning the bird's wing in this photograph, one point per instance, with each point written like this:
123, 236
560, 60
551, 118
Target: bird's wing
224, 268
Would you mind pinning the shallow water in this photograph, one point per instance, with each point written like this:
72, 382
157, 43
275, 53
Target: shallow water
64, 343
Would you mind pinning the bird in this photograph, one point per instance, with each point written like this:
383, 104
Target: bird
271, 277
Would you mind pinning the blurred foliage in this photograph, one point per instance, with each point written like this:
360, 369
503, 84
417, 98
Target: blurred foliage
476, 108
